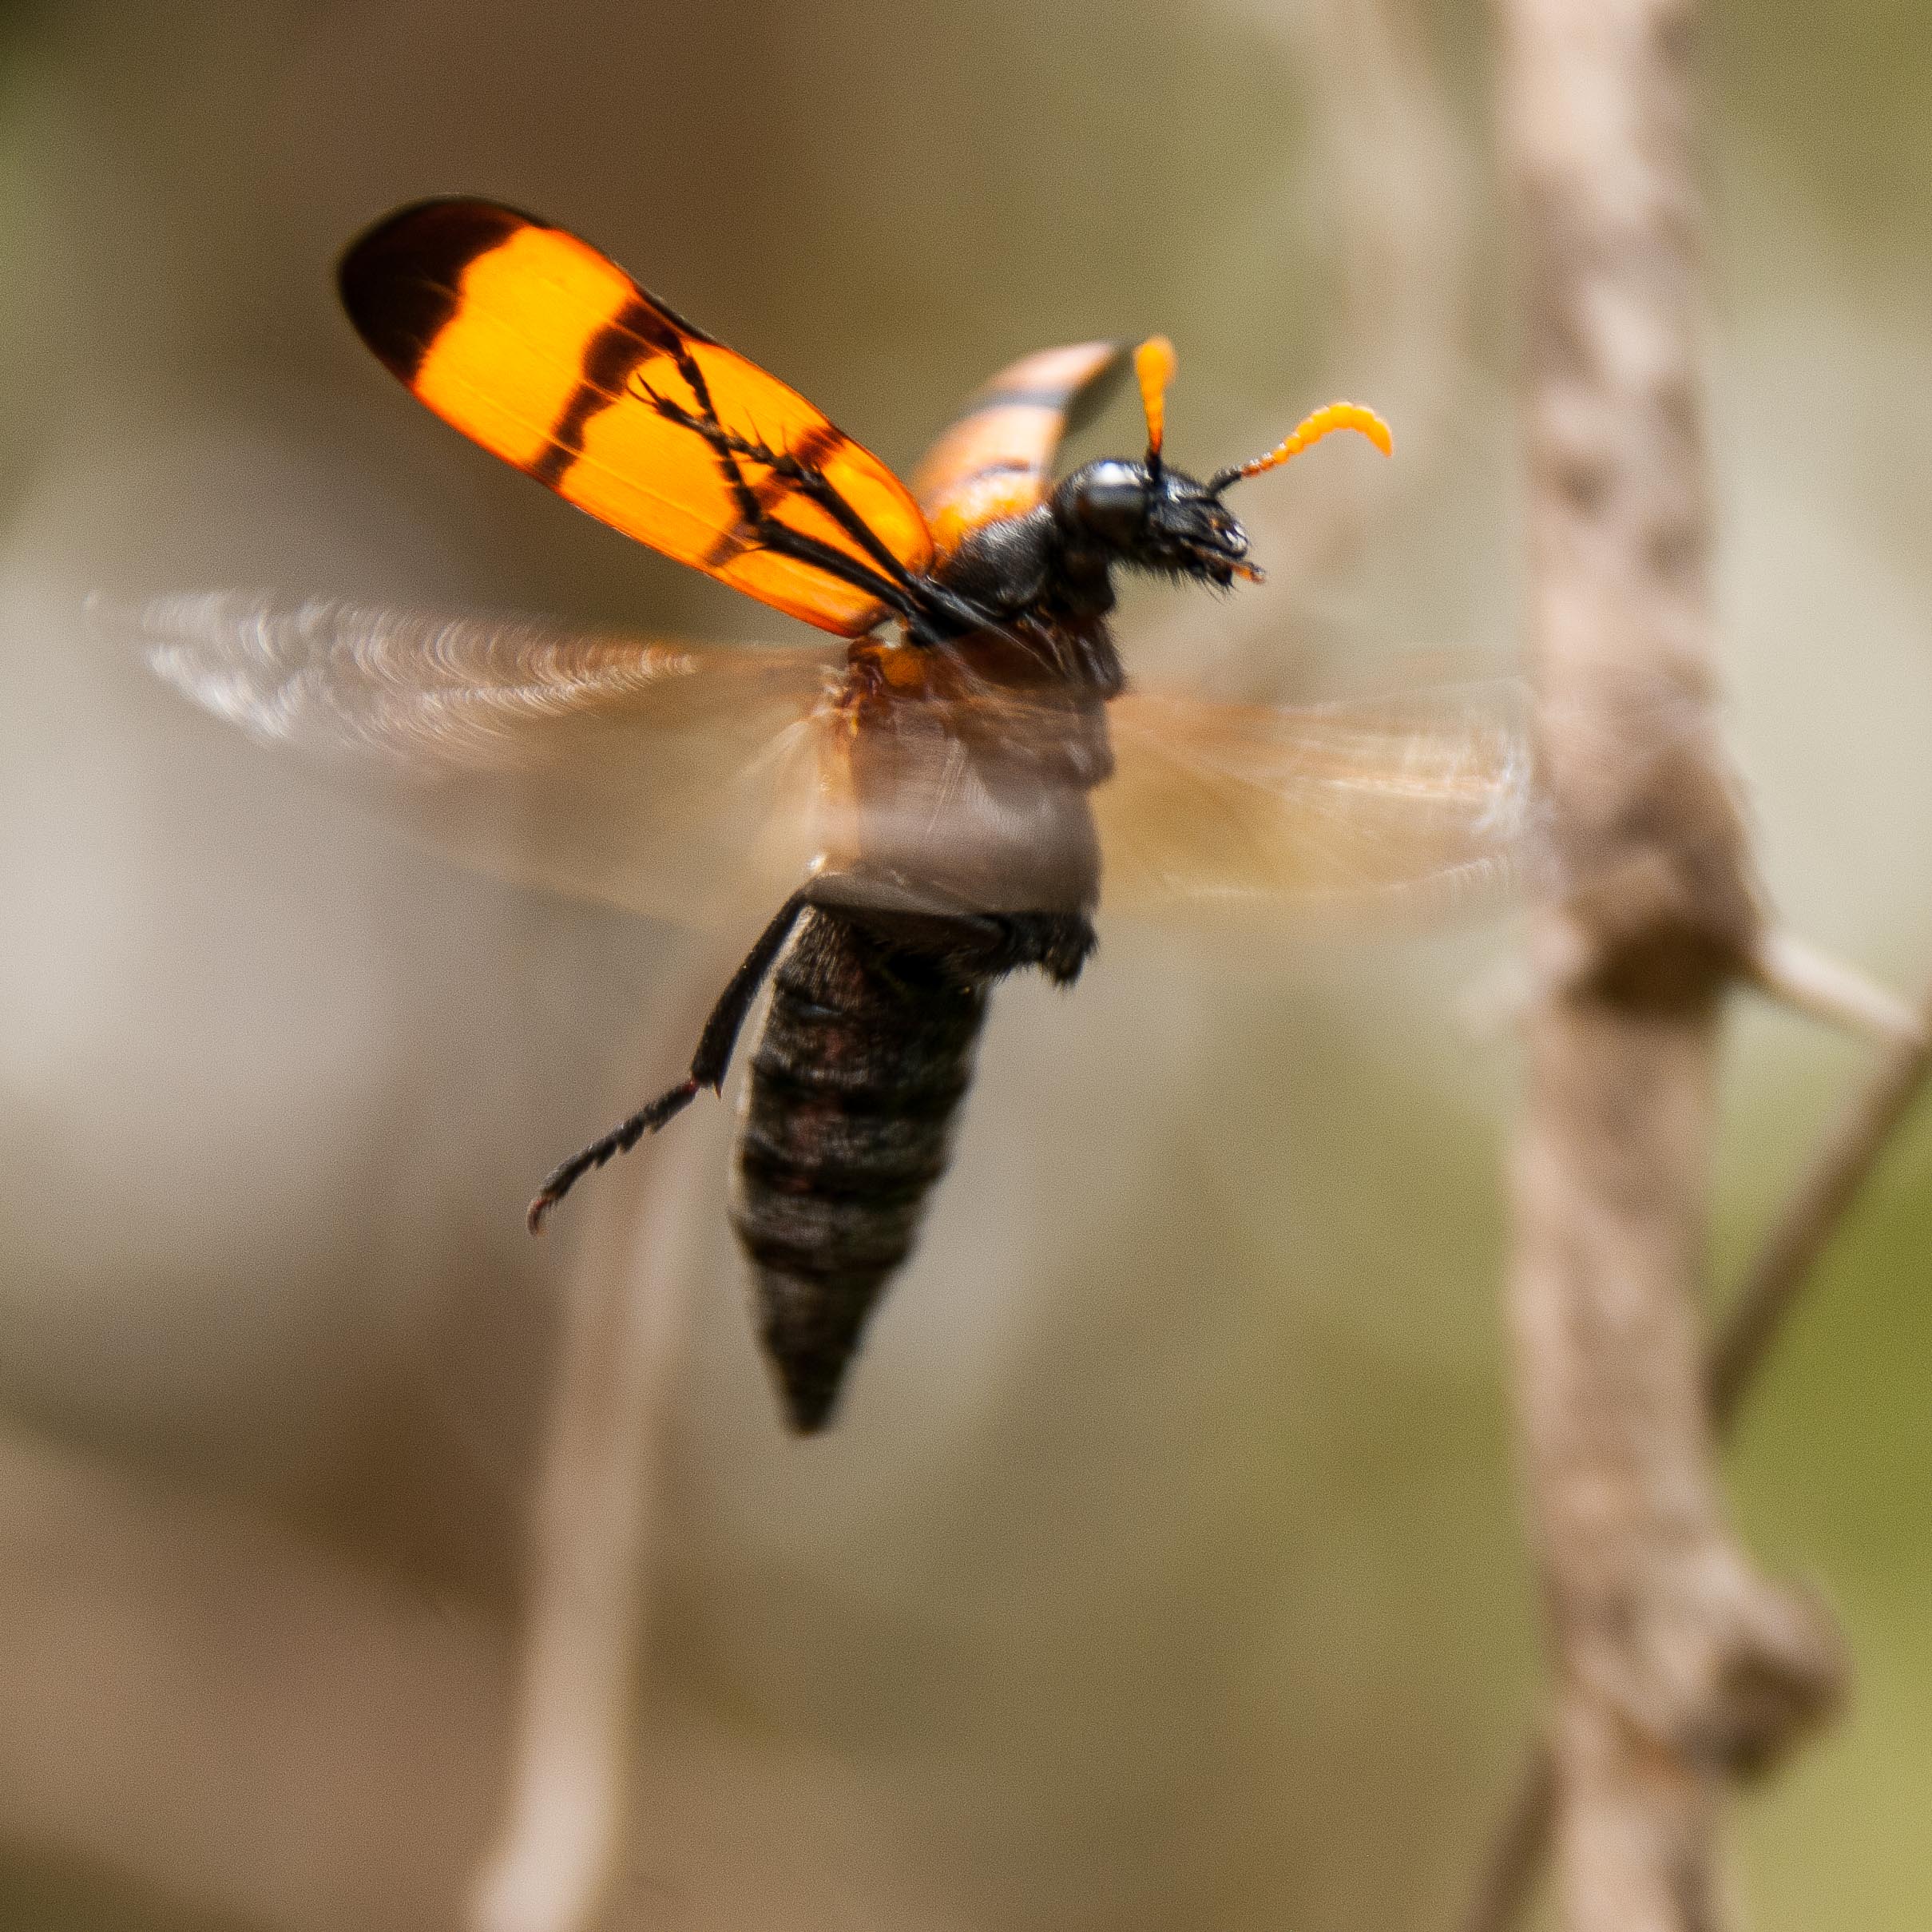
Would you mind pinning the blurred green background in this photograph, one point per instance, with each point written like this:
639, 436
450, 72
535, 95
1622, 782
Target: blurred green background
1165, 1568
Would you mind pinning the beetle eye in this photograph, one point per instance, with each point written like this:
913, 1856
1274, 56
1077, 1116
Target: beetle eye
1110, 498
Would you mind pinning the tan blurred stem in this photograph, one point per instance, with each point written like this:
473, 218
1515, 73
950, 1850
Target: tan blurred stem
1811, 982
554, 1861
1784, 1263
1817, 1206
1675, 1661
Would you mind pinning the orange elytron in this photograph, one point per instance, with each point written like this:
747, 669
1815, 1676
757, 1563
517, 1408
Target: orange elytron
934, 800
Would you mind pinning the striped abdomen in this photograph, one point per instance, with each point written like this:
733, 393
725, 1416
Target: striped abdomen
866, 1053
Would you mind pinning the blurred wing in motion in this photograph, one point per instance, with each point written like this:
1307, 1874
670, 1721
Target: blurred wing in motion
1232, 814
533, 345
676, 780
692, 781
997, 459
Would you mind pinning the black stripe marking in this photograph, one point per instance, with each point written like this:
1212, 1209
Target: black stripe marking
401, 281
866, 1266
757, 529
637, 332
1091, 397
802, 1083
819, 443
778, 485
872, 1179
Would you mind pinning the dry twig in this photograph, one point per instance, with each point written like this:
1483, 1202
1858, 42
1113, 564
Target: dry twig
564, 1830
1817, 1207
1675, 1661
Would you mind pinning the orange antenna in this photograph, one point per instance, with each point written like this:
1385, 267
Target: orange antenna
1153, 366
1311, 430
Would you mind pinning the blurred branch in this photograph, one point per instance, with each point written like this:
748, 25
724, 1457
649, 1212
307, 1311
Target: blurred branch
590, 1562
1827, 989
1517, 1845
1816, 1211
1676, 1662
1817, 1206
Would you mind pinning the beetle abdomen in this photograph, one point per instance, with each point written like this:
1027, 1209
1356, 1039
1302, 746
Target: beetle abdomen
865, 1054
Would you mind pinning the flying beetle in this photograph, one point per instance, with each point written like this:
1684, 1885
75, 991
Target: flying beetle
930, 803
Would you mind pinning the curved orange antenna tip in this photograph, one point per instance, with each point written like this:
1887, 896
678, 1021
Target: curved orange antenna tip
1153, 367
1313, 428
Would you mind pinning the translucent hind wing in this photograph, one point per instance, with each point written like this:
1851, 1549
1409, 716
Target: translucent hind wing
672, 779
1238, 815
692, 781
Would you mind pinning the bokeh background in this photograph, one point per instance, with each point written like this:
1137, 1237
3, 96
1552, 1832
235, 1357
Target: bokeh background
1166, 1568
